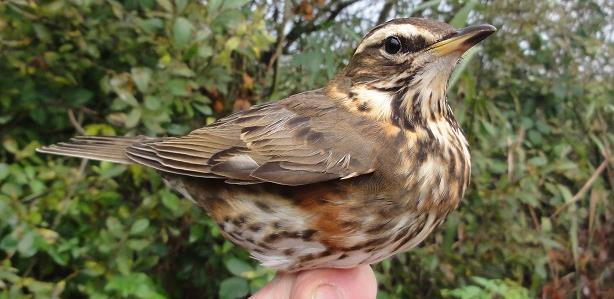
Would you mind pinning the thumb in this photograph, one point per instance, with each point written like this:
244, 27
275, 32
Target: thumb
278, 288
356, 283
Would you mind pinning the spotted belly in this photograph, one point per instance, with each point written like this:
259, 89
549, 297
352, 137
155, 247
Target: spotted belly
293, 245
317, 226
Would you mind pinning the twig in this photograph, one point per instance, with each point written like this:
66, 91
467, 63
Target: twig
280, 35
383, 14
534, 217
606, 147
278, 46
578, 196
513, 145
74, 122
311, 26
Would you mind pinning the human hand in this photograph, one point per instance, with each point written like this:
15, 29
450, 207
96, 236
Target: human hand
358, 283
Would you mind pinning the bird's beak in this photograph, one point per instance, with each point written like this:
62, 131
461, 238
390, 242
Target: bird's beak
463, 39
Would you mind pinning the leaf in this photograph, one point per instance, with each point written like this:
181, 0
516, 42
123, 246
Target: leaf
138, 244
204, 109
4, 171
124, 260
460, 18
139, 226
228, 19
138, 285
151, 25
26, 244
166, 5
234, 4
133, 118
182, 32
181, 4
111, 170
10, 145
170, 201
115, 227
93, 268
423, 6
234, 287
42, 33
117, 8
178, 87
238, 267
565, 192
28, 150
538, 161
80, 96
232, 43
141, 77
183, 71
214, 6
205, 51
152, 102
127, 98
535, 137
467, 57
11, 189
147, 4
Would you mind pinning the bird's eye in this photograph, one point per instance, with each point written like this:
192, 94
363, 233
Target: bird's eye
392, 45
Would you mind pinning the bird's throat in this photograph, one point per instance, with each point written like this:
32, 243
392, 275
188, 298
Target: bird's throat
422, 100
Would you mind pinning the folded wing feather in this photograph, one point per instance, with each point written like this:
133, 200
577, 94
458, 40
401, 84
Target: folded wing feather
300, 140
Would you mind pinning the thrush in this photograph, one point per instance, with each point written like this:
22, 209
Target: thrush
348, 174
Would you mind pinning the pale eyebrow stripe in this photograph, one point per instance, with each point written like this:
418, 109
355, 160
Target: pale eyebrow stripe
406, 30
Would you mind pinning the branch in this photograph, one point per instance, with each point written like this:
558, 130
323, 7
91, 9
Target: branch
278, 45
383, 15
298, 30
74, 122
578, 196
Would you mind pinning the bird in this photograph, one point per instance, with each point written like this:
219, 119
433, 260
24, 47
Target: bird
349, 174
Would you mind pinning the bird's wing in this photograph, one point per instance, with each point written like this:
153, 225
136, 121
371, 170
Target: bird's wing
301, 140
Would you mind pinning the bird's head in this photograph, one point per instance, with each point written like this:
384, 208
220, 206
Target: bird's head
401, 68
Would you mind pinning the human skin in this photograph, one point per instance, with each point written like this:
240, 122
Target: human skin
358, 283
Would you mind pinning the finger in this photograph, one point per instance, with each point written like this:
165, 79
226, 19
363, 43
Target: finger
279, 288
356, 283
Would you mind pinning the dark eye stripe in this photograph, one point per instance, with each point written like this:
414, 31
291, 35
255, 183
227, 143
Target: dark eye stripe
413, 44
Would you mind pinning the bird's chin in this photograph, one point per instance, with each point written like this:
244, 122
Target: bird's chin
439, 68
446, 64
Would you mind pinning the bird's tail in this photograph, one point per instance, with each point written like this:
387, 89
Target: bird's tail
99, 148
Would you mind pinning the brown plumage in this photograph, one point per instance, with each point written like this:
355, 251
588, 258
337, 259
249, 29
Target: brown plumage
335, 177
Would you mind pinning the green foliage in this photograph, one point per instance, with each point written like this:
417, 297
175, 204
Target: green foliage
487, 289
535, 102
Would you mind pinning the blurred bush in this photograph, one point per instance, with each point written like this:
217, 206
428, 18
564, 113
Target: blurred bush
536, 102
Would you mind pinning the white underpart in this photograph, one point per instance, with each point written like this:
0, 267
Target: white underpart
433, 80
291, 218
353, 259
428, 227
379, 255
430, 170
393, 30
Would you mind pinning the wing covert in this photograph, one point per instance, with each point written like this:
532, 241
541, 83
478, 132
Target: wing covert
300, 140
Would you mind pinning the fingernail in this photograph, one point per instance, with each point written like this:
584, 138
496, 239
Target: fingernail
327, 291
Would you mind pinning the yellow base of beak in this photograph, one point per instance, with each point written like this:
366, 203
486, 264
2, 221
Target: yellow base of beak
463, 39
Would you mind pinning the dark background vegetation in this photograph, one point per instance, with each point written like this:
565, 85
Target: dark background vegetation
536, 102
